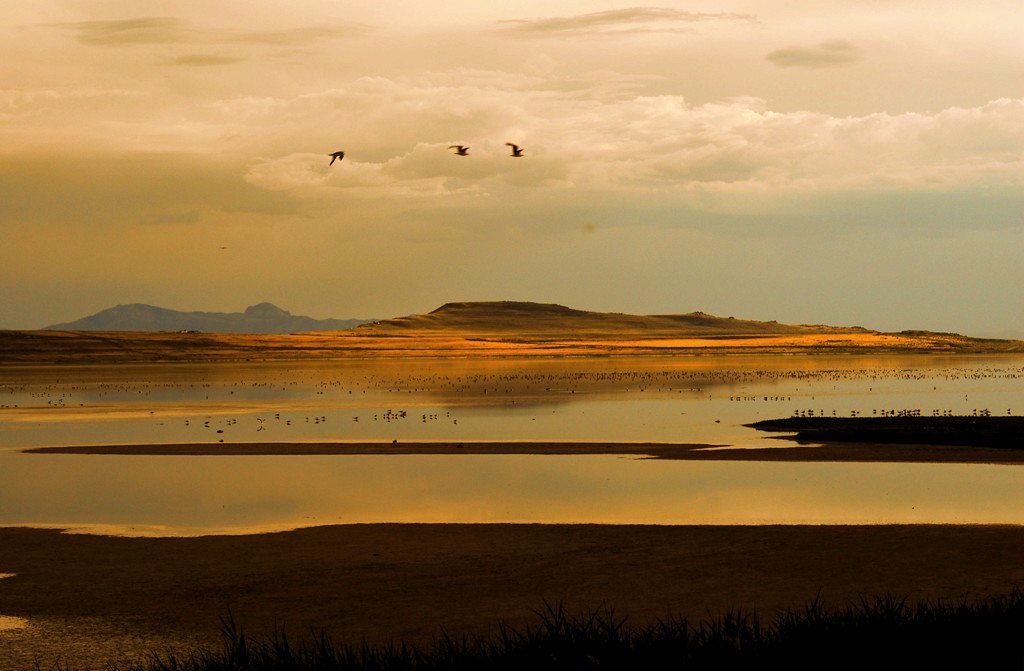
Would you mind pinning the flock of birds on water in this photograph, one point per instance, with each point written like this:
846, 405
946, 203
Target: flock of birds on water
460, 150
514, 388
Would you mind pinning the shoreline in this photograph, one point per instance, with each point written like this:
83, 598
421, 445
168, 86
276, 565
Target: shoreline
831, 451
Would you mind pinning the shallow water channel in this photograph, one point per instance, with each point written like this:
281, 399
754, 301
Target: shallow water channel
678, 400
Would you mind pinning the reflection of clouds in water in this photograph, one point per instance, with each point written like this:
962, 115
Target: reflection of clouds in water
197, 495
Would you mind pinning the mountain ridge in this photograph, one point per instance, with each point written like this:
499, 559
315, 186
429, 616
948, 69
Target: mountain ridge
261, 318
483, 319
497, 329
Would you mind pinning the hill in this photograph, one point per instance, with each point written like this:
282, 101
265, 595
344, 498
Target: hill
518, 318
261, 318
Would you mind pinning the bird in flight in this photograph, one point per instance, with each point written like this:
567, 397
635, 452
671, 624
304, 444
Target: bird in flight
336, 156
516, 151
460, 150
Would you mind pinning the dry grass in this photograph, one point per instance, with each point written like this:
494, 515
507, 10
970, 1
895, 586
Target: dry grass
66, 347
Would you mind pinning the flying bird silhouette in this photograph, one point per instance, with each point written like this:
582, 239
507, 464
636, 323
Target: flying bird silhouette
336, 156
516, 151
460, 150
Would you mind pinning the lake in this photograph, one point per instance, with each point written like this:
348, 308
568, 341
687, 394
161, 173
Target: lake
643, 399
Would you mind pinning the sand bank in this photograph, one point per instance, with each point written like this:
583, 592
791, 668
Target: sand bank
837, 451
90, 597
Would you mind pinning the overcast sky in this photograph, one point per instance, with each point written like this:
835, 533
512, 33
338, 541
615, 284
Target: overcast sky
850, 162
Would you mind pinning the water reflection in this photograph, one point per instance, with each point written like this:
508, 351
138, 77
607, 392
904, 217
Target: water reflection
9, 622
704, 400
191, 495
656, 399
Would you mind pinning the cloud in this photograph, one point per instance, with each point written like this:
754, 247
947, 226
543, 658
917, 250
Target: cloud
172, 30
398, 132
23, 109
21, 98
615, 21
112, 188
203, 60
170, 218
580, 138
295, 172
830, 53
310, 176
145, 30
304, 35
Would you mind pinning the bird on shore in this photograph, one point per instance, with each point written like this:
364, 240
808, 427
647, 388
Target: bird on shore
516, 151
460, 150
336, 156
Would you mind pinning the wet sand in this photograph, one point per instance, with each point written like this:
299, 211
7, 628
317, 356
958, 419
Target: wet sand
832, 452
90, 598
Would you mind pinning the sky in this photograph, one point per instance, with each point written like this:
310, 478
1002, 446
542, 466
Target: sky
846, 162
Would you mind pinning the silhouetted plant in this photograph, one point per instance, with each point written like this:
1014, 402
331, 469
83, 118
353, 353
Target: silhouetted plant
880, 633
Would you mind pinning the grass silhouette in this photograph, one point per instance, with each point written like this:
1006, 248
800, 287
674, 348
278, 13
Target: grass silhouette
880, 633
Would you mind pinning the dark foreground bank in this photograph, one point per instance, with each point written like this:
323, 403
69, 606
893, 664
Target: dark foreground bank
88, 599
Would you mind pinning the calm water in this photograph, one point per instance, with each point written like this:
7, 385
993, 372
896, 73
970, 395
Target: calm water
705, 399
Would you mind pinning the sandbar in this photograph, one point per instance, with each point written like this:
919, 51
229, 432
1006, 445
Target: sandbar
821, 452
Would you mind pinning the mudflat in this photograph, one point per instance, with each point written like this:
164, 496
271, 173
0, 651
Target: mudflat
89, 599
1004, 432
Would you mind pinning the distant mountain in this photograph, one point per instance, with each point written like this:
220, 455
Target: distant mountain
525, 318
488, 329
261, 318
